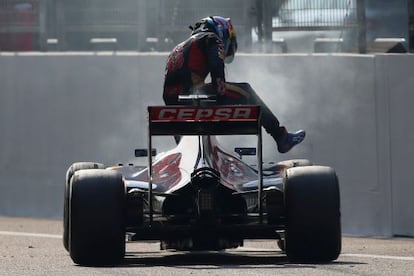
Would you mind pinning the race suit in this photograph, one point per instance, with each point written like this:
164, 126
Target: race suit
191, 61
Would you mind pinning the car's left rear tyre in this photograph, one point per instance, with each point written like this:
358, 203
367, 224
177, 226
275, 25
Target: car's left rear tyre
71, 170
97, 217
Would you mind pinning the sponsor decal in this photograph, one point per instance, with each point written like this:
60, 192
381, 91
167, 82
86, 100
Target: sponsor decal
216, 113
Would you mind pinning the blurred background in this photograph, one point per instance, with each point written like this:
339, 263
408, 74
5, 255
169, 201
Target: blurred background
271, 26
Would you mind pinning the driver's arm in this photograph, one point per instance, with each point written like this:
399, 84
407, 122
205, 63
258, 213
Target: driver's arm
215, 61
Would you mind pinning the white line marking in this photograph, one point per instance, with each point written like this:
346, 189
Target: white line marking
401, 258
25, 234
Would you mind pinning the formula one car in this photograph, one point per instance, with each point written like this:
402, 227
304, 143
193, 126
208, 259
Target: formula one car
197, 196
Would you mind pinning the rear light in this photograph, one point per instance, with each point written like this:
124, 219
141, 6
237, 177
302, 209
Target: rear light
205, 181
205, 201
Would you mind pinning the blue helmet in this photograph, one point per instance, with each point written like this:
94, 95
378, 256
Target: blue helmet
223, 28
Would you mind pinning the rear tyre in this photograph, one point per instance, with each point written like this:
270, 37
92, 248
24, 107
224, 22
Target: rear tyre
97, 217
72, 169
313, 228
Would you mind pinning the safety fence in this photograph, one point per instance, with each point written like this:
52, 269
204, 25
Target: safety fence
316, 14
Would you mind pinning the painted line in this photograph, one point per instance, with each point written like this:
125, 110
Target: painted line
25, 234
401, 258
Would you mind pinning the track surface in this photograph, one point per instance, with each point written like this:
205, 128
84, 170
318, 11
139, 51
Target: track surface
34, 247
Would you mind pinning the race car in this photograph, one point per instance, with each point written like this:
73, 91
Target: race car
198, 196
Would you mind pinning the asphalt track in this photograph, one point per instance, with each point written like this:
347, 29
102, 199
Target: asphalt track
34, 247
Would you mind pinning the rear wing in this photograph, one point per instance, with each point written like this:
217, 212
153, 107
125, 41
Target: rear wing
205, 120
211, 120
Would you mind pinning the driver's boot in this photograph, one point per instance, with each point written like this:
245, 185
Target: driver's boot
287, 140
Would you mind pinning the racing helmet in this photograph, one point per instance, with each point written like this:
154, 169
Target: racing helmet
223, 28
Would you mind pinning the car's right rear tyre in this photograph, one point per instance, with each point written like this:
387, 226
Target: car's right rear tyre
312, 208
97, 217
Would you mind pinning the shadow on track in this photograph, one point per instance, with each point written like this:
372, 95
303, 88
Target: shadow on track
204, 258
224, 259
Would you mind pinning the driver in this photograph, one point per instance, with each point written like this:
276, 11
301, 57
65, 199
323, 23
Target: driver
211, 44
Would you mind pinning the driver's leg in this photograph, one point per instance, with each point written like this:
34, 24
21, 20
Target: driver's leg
243, 93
